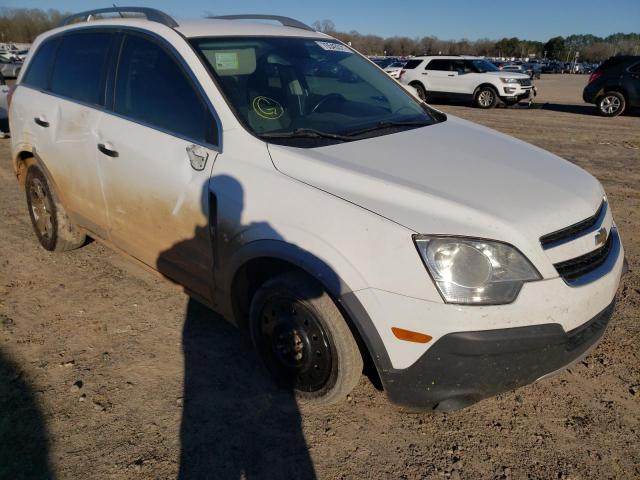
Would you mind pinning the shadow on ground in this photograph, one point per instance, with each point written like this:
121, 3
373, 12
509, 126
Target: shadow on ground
235, 422
24, 443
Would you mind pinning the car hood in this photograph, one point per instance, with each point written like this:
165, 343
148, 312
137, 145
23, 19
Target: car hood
454, 177
508, 74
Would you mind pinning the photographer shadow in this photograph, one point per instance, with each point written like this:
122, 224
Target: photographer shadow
235, 422
24, 441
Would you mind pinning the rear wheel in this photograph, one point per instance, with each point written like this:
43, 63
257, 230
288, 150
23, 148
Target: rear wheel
50, 222
422, 92
486, 97
611, 104
303, 339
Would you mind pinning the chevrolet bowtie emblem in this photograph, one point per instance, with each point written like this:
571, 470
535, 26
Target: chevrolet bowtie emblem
601, 237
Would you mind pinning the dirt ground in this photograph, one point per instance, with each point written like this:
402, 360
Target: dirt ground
107, 371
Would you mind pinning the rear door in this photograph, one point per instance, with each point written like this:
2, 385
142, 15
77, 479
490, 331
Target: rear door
438, 75
156, 150
33, 106
77, 86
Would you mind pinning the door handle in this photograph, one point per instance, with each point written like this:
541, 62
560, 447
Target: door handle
425, 73
197, 156
41, 121
107, 150
451, 75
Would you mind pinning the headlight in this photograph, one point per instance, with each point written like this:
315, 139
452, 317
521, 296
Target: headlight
509, 80
475, 271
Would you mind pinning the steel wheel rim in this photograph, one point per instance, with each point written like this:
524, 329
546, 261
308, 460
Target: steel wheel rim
485, 98
295, 344
610, 104
41, 208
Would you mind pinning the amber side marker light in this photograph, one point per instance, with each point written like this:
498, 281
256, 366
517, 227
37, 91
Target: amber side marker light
409, 336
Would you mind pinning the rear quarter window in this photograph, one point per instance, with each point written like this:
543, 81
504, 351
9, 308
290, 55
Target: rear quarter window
79, 66
411, 64
37, 74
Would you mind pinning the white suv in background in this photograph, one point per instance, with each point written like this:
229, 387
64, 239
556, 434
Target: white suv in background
289, 184
462, 77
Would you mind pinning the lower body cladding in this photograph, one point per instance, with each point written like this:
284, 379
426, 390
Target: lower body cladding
519, 93
463, 368
480, 351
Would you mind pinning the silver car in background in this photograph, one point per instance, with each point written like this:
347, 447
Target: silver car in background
9, 68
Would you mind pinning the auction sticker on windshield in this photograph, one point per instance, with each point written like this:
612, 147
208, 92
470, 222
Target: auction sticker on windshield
226, 61
334, 47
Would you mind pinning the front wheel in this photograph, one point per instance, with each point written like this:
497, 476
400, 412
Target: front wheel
611, 104
486, 97
303, 339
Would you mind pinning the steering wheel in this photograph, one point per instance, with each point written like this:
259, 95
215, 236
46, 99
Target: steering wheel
327, 98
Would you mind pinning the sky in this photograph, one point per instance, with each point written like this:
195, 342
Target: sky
456, 19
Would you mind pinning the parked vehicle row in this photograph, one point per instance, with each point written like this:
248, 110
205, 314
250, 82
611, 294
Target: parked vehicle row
260, 181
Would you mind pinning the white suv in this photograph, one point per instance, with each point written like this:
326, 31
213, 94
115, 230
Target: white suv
289, 184
464, 77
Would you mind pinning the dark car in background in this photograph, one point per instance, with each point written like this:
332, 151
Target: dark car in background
615, 85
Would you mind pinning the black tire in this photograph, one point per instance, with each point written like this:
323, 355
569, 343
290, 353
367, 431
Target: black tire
50, 222
422, 92
486, 97
611, 104
303, 339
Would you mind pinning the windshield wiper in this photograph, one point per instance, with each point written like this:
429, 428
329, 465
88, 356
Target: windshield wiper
389, 124
306, 133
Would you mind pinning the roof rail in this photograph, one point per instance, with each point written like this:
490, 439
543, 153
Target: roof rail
286, 21
151, 14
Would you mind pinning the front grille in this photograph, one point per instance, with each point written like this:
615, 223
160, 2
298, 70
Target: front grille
569, 233
571, 270
525, 82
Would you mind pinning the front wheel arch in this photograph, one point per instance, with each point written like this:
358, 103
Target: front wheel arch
482, 87
254, 271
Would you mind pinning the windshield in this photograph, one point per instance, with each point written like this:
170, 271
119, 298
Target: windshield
483, 66
298, 85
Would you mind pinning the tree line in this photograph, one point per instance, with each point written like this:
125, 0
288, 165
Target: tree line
590, 47
22, 25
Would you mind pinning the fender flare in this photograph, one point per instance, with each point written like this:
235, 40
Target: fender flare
355, 313
485, 84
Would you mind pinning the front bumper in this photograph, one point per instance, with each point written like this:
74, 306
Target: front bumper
510, 90
465, 367
478, 351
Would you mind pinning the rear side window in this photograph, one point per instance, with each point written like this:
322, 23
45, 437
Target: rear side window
438, 64
37, 76
411, 64
79, 66
612, 63
153, 89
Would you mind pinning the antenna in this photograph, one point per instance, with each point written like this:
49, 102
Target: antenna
119, 12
